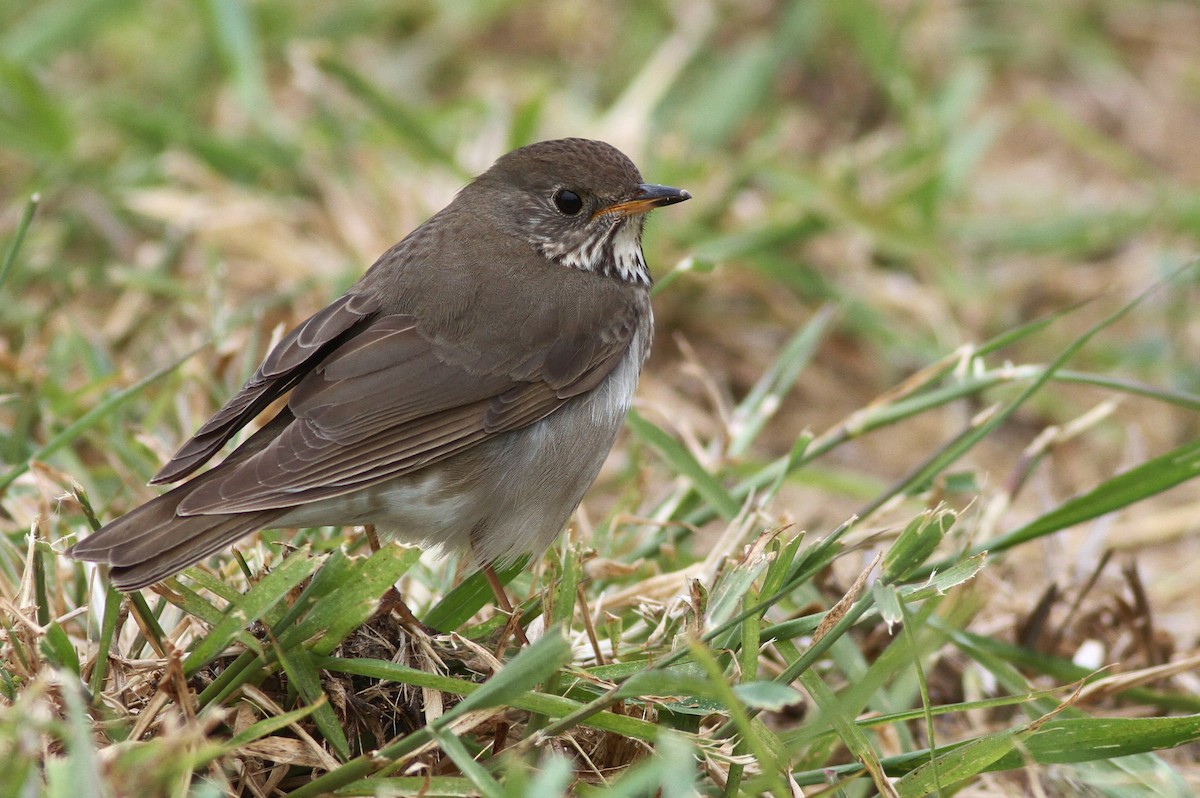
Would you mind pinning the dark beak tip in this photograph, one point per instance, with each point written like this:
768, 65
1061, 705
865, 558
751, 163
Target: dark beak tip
664, 195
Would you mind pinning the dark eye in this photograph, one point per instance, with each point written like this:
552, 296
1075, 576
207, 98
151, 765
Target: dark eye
567, 201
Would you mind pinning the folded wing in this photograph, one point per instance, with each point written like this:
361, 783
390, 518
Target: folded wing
389, 401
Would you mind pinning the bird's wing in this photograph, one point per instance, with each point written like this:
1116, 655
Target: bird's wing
392, 399
285, 366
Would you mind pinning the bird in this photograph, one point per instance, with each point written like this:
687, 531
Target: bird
462, 394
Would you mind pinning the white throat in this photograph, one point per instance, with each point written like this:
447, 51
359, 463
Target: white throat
627, 253
617, 253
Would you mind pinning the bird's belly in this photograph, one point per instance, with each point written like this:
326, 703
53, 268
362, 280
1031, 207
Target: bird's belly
427, 499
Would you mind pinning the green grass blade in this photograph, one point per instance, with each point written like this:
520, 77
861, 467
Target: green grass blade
960, 763
89, 419
467, 598
10, 257
682, 461
266, 726
760, 404
303, 677
239, 42
540, 703
351, 602
474, 772
249, 608
108, 631
1138, 483
1065, 740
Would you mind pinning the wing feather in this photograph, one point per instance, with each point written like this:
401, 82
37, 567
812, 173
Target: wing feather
387, 403
282, 369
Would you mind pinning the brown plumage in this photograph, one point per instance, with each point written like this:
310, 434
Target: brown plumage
464, 392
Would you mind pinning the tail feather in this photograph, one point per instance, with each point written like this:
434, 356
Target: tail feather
152, 542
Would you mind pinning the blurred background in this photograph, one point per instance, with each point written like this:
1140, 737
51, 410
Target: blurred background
930, 174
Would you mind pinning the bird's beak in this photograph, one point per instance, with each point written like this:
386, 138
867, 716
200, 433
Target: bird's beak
648, 198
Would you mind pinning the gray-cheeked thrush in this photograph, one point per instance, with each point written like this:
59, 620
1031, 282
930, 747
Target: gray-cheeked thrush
463, 393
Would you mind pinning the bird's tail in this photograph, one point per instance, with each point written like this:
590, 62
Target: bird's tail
152, 542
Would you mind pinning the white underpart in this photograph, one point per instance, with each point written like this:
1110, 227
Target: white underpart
421, 499
627, 250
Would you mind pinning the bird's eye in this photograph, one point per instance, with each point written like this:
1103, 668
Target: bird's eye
568, 202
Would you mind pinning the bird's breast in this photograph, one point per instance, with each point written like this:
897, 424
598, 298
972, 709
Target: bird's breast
610, 401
